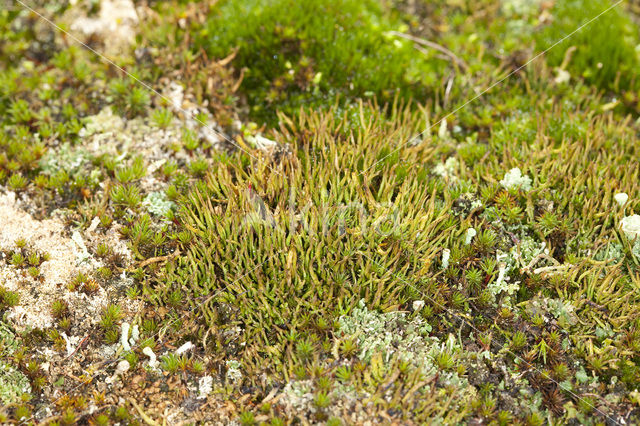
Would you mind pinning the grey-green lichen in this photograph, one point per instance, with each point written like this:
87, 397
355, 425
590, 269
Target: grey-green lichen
392, 334
157, 203
395, 336
12, 382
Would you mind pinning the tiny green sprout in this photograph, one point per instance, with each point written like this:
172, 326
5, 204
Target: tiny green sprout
132, 358
138, 274
34, 259
538, 320
277, 422
121, 413
21, 243
561, 371
100, 420
162, 118
8, 298
111, 336
147, 343
504, 418
137, 101
348, 347
474, 278
64, 323
323, 382
548, 222
68, 417
110, 316
334, 421
175, 299
38, 383
197, 366
485, 240
33, 272
199, 167
158, 240
247, 418
126, 195
202, 118
149, 326
17, 182
489, 264
190, 140
172, 192
20, 111
518, 340
184, 237
17, 259
170, 363
180, 180
81, 278
103, 250
586, 404
105, 220
444, 360
105, 272
322, 400
133, 292
59, 308
169, 168
32, 368
458, 300
300, 372
21, 413
183, 363
304, 349
535, 419
404, 366
127, 174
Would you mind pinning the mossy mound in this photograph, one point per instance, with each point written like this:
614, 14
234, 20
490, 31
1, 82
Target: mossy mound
308, 53
605, 49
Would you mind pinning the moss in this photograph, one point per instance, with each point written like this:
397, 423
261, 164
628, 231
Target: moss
311, 53
605, 52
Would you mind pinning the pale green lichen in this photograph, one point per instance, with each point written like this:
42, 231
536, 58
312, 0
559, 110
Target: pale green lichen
514, 179
524, 8
447, 170
234, 374
157, 203
66, 158
562, 310
12, 382
390, 334
395, 336
104, 121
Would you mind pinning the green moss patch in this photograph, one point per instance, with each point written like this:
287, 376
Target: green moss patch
311, 53
605, 50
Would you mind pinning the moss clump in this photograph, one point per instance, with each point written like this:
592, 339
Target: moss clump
297, 53
605, 49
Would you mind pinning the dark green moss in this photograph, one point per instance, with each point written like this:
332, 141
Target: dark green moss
310, 53
604, 53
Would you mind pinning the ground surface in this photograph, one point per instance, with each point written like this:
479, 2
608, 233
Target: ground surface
324, 212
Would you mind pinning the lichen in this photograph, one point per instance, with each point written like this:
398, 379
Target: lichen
447, 170
234, 373
514, 179
157, 203
395, 336
12, 382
